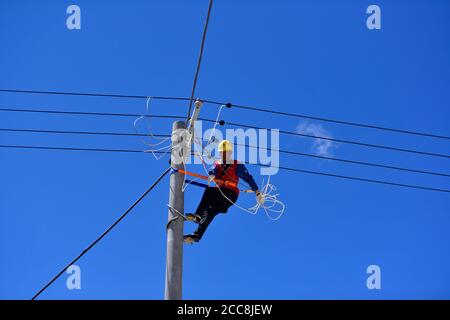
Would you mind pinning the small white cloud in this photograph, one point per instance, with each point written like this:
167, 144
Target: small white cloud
320, 147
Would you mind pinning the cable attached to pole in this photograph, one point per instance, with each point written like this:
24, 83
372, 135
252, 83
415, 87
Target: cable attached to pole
102, 235
229, 105
342, 122
77, 149
199, 61
353, 142
93, 94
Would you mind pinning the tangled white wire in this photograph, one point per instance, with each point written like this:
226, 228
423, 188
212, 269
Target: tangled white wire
270, 201
166, 148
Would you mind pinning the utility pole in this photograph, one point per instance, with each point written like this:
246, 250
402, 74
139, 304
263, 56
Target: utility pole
174, 259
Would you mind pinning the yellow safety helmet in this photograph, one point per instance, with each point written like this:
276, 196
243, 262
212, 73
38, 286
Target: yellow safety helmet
225, 146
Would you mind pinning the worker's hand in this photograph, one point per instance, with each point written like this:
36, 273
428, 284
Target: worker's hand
259, 197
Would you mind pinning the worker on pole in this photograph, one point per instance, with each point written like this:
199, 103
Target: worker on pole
220, 198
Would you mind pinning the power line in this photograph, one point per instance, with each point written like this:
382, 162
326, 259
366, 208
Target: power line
102, 235
230, 123
109, 114
356, 124
85, 94
78, 149
223, 122
346, 141
360, 179
257, 109
371, 164
281, 167
239, 144
200, 55
84, 132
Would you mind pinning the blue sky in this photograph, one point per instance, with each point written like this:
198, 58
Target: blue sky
310, 57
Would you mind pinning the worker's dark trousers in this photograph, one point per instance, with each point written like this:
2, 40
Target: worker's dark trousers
213, 203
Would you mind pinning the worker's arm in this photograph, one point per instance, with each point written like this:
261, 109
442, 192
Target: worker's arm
243, 173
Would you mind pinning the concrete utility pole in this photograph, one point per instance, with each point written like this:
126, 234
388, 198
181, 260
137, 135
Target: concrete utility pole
174, 262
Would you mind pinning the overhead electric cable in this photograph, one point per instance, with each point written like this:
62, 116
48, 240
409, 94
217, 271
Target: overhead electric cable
350, 123
91, 94
88, 113
251, 108
371, 164
102, 235
361, 179
84, 132
108, 114
8, 146
199, 60
281, 168
344, 141
295, 153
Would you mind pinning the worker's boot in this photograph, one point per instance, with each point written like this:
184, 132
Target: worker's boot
193, 217
191, 238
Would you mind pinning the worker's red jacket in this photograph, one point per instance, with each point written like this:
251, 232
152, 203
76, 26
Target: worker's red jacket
232, 172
